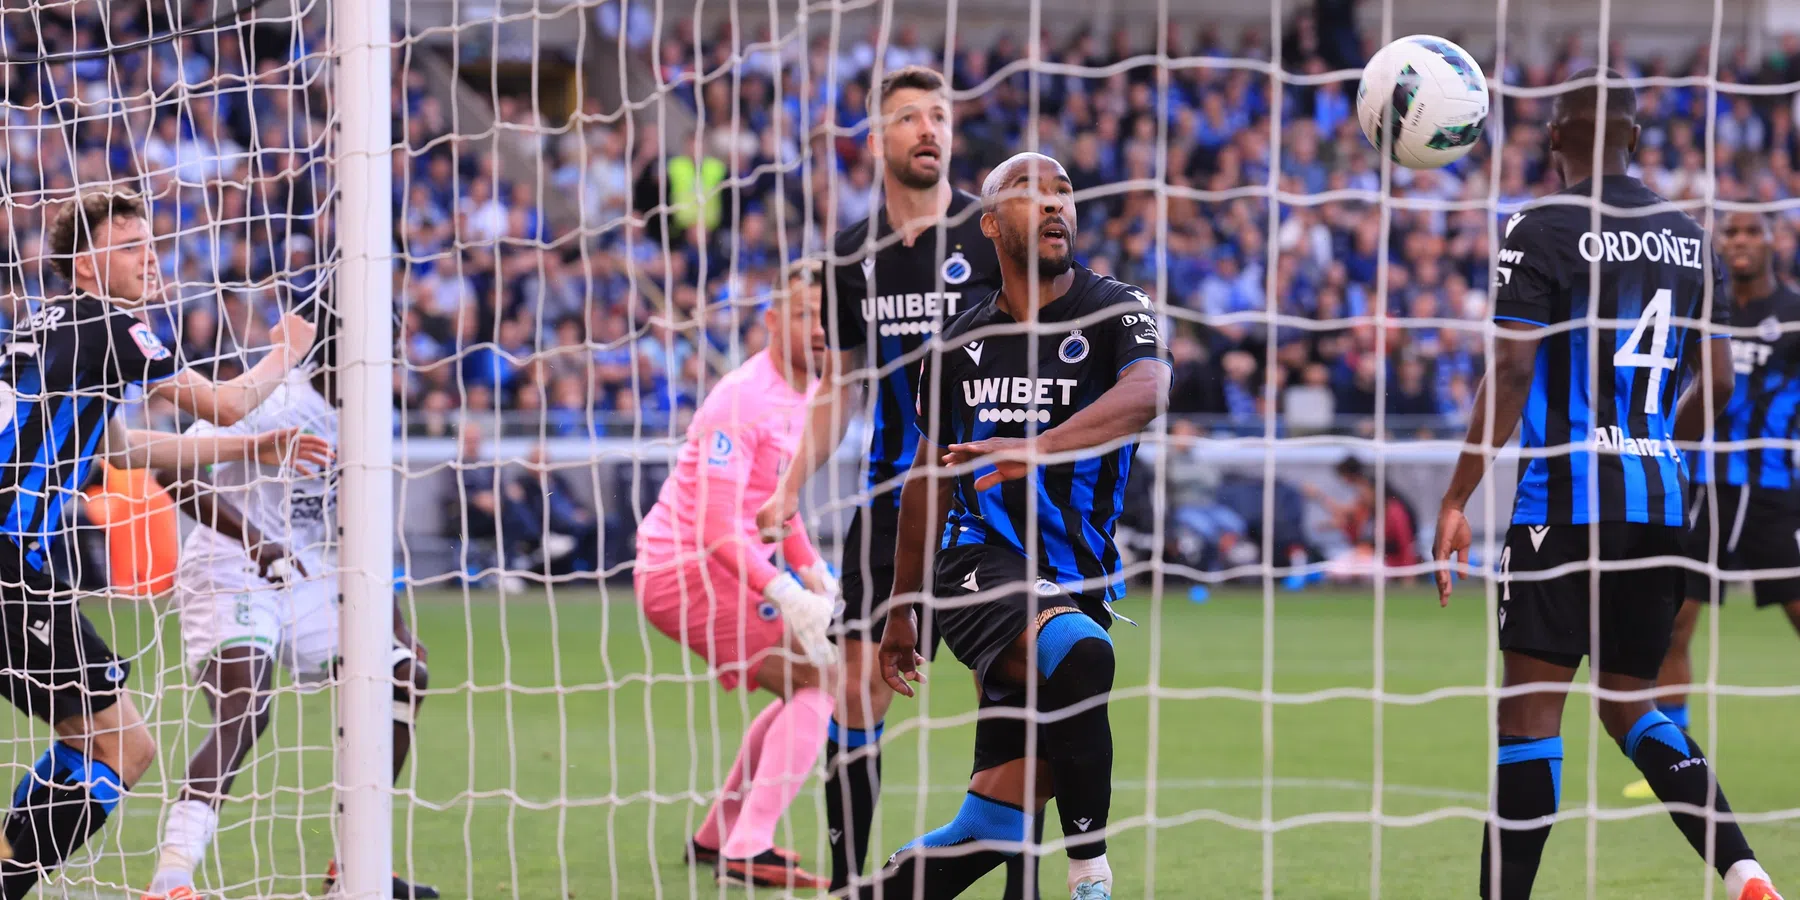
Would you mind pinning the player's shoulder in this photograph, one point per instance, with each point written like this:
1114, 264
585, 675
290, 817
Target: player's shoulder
1095, 291
734, 398
963, 217
851, 239
971, 317
1785, 302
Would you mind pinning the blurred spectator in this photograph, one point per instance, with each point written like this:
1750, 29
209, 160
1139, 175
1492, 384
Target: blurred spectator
568, 530
1354, 558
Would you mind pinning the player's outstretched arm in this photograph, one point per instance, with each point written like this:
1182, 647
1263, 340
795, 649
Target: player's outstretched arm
1691, 411
924, 504
1126, 409
1515, 362
224, 403
187, 454
826, 422
197, 498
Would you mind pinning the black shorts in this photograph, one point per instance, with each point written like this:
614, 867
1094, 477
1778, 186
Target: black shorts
1759, 528
56, 665
1011, 598
868, 572
1549, 619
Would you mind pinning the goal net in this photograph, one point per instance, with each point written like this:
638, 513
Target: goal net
590, 206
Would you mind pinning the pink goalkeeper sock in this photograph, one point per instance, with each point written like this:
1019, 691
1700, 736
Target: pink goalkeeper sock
724, 812
789, 751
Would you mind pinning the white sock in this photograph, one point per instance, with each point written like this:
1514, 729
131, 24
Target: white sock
1083, 870
186, 835
1741, 873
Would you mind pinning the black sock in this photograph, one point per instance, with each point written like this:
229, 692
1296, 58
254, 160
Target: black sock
1076, 659
1017, 867
57, 806
851, 787
939, 865
1527, 787
1678, 772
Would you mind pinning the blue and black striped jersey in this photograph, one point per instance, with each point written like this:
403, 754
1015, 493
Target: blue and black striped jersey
1001, 384
1603, 396
1766, 401
64, 373
890, 303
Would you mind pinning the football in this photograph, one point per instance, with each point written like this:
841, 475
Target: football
1424, 100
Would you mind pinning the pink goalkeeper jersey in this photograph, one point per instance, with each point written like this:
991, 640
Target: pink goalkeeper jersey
738, 445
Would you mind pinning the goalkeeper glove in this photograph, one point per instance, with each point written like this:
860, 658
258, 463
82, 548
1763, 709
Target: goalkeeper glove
808, 616
818, 579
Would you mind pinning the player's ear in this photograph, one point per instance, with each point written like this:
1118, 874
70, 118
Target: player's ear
1636, 130
990, 227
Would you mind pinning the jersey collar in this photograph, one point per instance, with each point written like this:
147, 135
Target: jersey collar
1056, 310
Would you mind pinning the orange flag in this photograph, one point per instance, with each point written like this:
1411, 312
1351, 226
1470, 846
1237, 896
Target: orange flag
143, 533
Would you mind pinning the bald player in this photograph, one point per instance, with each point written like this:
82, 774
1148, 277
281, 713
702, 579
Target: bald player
1064, 366
1630, 283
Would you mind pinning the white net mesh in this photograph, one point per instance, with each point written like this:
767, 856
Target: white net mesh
592, 206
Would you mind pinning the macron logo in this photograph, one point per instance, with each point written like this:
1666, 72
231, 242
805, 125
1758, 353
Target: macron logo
40, 630
1084, 824
1537, 535
1514, 223
836, 835
974, 348
969, 584
868, 267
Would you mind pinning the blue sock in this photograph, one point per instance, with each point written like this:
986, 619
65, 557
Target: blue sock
1678, 772
1527, 787
913, 871
1676, 712
57, 806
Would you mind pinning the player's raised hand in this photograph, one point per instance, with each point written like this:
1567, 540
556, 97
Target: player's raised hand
295, 333
1453, 538
1009, 457
899, 654
776, 512
275, 564
284, 446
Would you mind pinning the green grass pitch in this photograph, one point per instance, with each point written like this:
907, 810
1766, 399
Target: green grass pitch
563, 746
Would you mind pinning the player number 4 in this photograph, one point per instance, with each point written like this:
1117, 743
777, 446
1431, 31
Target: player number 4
1656, 317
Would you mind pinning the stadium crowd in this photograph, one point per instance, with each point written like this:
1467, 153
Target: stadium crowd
597, 324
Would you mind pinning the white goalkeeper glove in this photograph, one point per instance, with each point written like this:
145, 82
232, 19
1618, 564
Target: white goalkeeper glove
808, 616
818, 579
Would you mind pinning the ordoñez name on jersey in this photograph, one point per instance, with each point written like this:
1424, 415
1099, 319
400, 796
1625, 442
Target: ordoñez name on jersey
1629, 246
1612, 437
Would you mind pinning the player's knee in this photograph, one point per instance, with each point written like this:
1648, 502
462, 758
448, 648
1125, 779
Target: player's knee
137, 751
1073, 642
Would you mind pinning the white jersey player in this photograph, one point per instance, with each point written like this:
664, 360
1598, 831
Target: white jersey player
257, 587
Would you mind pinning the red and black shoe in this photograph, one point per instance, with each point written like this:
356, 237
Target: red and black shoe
769, 869
699, 854
403, 890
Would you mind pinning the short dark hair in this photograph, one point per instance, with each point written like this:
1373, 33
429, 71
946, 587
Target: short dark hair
1577, 108
1352, 469
917, 78
72, 231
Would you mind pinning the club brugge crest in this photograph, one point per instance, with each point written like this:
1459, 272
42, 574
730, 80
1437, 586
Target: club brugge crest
1769, 330
767, 611
1074, 348
956, 269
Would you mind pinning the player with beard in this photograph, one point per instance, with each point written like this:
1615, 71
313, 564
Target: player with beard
895, 279
1045, 367
1758, 506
